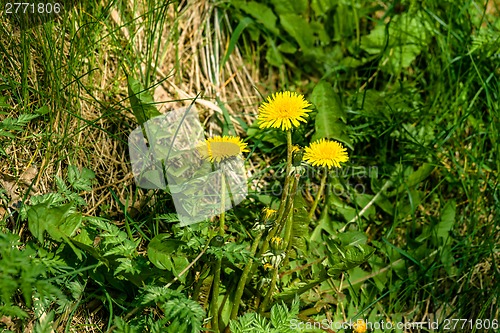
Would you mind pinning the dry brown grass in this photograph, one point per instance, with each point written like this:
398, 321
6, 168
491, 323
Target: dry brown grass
96, 136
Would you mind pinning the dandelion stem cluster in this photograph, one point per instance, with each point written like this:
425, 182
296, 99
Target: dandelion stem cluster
283, 111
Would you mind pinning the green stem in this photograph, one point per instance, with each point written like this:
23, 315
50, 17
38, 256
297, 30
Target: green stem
289, 204
223, 205
267, 298
243, 279
320, 193
282, 211
286, 185
214, 304
288, 230
287, 220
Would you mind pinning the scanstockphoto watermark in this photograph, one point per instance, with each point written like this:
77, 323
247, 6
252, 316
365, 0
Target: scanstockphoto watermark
351, 179
338, 189
431, 326
326, 324
309, 172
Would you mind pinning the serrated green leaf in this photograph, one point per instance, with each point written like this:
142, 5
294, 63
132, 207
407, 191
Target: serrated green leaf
162, 249
44, 324
80, 180
347, 251
300, 225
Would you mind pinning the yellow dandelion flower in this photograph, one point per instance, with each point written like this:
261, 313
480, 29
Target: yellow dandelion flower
268, 212
219, 148
277, 240
360, 326
325, 153
268, 266
283, 110
295, 148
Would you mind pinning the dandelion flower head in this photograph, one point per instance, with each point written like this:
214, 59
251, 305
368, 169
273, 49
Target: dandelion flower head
283, 110
325, 153
268, 212
359, 326
219, 148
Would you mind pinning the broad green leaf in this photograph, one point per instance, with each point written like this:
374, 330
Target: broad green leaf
262, 14
286, 6
271, 136
299, 29
287, 48
142, 103
154, 179
337, 205
179, 263
327, 101
399, 43
352, 238
414, 179
41, 218
447, 221
375, 41
273, 55
83, 236
322, 7
321, 33
59, 222
43, 110
324, 223
362, 200
386, 205
345, 23
300, 226
328, 122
